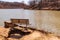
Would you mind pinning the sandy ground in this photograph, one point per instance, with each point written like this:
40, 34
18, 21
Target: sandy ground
36, 35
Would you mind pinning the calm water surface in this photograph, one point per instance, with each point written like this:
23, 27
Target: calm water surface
41, 19
7, 14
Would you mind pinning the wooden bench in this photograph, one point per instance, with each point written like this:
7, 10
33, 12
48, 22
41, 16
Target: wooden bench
18, 22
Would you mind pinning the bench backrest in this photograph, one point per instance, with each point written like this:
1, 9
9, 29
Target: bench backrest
21, 21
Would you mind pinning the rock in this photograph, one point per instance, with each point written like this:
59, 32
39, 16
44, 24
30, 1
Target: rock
40, 36
35, 35
3, 38
4, 31
12, 39
32, 36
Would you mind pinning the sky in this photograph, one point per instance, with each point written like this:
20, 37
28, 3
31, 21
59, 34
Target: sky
25, 1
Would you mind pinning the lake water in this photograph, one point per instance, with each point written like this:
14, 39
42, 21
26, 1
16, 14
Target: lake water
41, 19
7, 14
48, 20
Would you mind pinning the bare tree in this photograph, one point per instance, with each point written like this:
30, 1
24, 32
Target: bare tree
35, 4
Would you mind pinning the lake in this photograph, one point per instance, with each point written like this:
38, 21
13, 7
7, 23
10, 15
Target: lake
41, 19
48, 20
7, 14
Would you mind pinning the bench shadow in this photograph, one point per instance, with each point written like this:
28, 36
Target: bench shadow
16, 36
